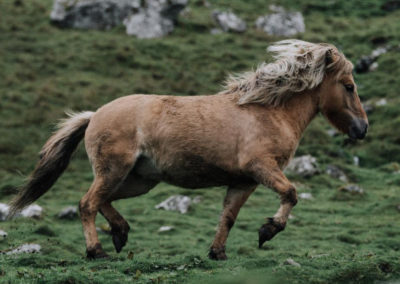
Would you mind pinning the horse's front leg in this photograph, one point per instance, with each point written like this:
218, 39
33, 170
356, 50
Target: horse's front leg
271, 176
235, 197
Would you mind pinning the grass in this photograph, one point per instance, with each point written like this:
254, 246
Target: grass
336, 237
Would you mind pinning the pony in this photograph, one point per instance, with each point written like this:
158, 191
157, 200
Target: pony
241, 137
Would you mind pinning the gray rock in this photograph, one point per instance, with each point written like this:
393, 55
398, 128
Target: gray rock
356, 161
3, 235
336, 172
144, 19
368, 62
381, 102
281, 22
290, 261
92, 14
32, 211
332, 132
179, 203
25, 248
304, 166
4, 210
306, 196
165, 229
352, 188
228, 21
69, 212
155, 19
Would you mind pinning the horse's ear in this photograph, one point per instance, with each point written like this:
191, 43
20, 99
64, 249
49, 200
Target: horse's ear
329, 57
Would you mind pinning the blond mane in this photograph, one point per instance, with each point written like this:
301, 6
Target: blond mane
298, 66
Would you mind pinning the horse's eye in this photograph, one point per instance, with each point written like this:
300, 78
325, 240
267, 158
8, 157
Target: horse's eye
349, 88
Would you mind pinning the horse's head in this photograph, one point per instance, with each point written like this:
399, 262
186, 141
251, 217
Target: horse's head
339, 101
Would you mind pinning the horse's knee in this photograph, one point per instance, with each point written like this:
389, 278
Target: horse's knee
290, 196
85, 208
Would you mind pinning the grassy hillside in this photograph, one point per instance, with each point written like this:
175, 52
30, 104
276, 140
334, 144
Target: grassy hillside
336, 237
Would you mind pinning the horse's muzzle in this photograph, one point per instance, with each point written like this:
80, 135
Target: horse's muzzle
358, 128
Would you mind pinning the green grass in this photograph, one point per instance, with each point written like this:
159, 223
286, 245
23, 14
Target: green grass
336, 237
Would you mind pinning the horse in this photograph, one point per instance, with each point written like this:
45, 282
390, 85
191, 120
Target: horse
241, 137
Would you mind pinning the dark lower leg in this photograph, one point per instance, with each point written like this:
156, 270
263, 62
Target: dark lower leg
119, 227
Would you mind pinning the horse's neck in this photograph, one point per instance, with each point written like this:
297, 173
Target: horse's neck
301, 110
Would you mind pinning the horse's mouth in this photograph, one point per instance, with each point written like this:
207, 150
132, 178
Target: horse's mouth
358, 129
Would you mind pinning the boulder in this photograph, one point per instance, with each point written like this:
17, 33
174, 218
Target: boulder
92, 14
368, 62
144, 19
3, 235
179, 203
352, 188
69, 212
228, 21
305, 166
281, 22
290, 261
336, 172
165, 229
306, 196
25, 248
32, 211
155, 19
4, 210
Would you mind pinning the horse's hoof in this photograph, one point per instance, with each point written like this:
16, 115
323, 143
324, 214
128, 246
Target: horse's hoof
119, 239
268, 231
96, 252
217, 254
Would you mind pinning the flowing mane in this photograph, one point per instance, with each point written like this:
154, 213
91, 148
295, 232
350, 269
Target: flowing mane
298, 66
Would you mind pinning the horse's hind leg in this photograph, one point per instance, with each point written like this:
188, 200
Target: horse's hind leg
132, 186
119, 226
234, 199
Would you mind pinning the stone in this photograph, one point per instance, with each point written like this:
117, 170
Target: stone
25, 248
144, 19
290, 261
305, 166
32, 211
352, 188
4, 210
228, 21
332, 132
306, 196
3, 235
368, 62
281, 22
156, 19
165, 228
381, 102
356, 161
373, 66
69, 213
92, 14
179, 203
336, 172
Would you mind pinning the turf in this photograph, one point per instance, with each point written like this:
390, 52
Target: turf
336, 237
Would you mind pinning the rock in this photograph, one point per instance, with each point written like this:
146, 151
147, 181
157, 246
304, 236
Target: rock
3, 235
356, 161
69, 212
228, 21
32, 211
306, 196
332, 132
281, 22
336, 172
144, 19
381, 102
368, 107
367, 62
216, 31
352, 188
4, 210
154, 20
304, 166
398, 207
179, 203
25, 248
290, 261
165, 228
92, 14
197, 199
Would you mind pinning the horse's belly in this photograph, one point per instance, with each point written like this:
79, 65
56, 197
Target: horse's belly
191, 172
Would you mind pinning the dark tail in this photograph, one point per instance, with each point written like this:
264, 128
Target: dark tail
54, 159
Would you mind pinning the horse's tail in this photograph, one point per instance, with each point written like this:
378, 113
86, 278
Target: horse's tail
54, 159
